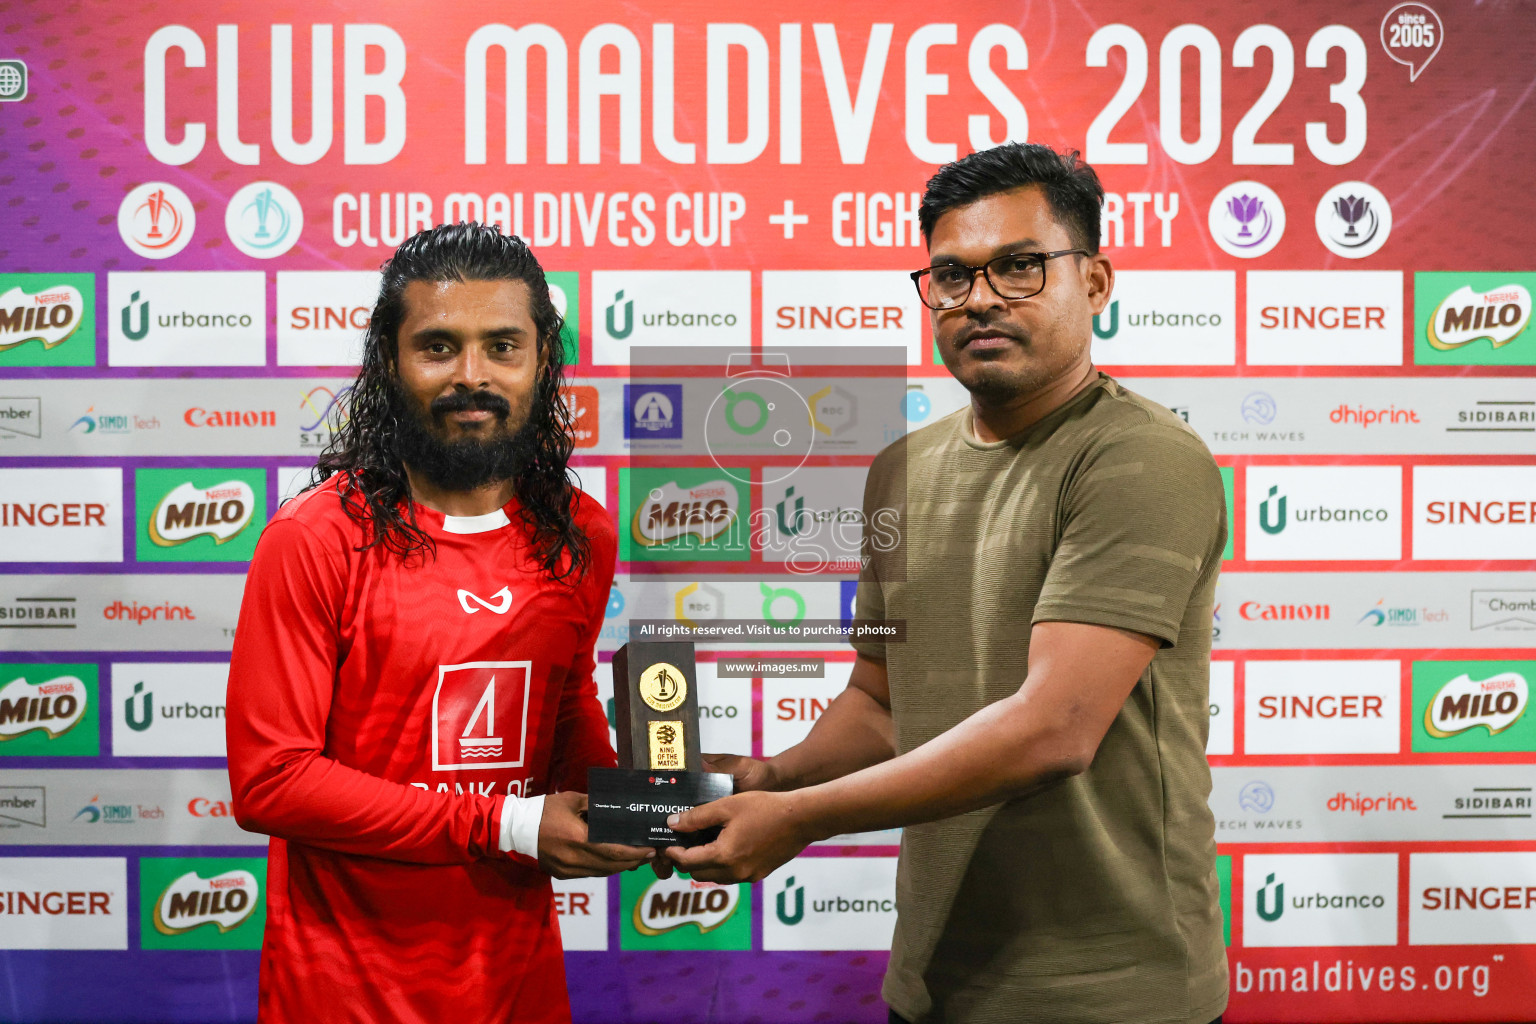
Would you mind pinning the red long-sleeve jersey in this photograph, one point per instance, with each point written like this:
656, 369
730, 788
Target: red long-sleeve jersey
379, 713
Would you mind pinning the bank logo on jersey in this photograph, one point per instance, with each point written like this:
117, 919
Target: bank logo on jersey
500, 602
480, 715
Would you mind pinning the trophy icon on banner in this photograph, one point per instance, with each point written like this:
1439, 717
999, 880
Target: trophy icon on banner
156, 203
263, 204
1245, 210
1351, 210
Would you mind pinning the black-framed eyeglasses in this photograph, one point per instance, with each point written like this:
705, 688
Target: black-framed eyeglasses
1018, 275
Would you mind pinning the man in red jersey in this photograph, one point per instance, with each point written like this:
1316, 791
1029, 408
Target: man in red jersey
411, 709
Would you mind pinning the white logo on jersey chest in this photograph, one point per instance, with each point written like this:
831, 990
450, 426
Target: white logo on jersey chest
500, 602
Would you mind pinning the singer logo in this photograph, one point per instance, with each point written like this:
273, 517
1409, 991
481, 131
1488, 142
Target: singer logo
480, 715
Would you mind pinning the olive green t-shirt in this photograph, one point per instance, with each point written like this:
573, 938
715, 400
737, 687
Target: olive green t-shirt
1094, 900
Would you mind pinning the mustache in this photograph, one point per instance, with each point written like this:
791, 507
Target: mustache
466, 401
974, 327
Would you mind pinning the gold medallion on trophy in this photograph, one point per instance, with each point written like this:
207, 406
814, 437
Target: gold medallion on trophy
663, 686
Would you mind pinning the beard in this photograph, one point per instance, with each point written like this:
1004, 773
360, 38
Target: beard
470, 462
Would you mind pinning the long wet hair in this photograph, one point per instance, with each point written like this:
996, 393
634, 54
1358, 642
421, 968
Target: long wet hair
374, 489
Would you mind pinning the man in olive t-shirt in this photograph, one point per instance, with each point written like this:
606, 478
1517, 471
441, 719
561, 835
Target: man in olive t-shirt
1040, 734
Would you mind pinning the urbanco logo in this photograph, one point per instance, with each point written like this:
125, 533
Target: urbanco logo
1169, 318
187, 318
668, 307
1320, 899
830, 903
1324, 512
168, 709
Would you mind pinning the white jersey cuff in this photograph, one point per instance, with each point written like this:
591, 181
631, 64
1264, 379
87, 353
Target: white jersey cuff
520, 817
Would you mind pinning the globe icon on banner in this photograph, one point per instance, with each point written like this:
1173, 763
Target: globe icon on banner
11, 81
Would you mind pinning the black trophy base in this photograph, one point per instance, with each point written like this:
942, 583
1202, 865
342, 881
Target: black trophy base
629, 806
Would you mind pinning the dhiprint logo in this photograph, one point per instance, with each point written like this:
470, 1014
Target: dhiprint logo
156, 220
500, 603
1353, 220
1320, 899
264, 220
654, 411
480, 715
1246, 219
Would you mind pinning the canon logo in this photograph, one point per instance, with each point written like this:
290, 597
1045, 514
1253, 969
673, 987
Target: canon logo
200, 417
1256, 611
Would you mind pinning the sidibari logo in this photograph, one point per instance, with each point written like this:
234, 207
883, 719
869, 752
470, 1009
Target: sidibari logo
220, 511
671, 512
55, 706
668, 904
50, 316
1497, 316
1464, 703
191, 901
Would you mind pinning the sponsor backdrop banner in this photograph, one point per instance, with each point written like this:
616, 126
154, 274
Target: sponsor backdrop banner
1320, 216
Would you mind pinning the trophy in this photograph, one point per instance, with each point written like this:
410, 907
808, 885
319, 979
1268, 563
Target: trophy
656, 710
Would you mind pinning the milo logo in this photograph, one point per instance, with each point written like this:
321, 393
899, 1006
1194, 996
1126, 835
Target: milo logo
220, 511
55, 706
225, 901
1464, 703
50, 315
668, 904
1465, 316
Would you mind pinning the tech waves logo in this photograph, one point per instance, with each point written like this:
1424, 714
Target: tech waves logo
1497, 316
50, 316
220, 511
55, 706
670, 512
668, 904
1464, 704
225, 901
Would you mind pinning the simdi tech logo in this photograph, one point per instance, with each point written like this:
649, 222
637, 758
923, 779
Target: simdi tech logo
202, 902
680, 913
1473, 706
1473, 319
47, 320
49, 710
199, 515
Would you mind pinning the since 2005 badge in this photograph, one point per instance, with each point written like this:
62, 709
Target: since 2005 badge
663, 687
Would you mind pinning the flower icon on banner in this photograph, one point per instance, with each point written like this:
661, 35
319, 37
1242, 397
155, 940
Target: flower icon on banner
1246, 219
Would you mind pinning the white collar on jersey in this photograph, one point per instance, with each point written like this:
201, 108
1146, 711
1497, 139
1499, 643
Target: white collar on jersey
476, 524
